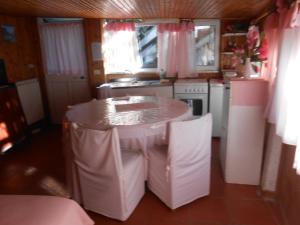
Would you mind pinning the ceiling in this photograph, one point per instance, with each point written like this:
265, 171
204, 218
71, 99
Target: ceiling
235, 9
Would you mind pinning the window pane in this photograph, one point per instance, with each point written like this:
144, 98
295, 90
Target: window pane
205, 45
147, 40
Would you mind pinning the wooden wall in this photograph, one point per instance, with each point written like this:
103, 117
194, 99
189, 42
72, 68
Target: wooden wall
92, 29
289, 186
21, 58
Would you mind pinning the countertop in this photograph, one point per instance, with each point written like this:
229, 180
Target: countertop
138, 83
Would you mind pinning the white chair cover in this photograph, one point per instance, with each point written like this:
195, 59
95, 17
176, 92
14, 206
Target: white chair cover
110, 183
38, 210
180, 172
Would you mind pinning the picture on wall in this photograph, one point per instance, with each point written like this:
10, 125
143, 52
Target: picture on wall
9, 33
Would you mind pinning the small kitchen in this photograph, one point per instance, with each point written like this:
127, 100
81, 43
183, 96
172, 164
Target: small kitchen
141, 72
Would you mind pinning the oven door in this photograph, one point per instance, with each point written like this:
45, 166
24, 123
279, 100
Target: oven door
198, 102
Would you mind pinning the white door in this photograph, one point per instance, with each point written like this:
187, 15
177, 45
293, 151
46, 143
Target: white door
65, 66
64, 91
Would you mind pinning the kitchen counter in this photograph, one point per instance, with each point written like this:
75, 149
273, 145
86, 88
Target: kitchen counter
134, 84
136, 87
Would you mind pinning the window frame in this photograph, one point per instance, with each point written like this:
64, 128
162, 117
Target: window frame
216, 23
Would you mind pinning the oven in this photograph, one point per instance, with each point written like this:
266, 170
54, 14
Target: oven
194, 93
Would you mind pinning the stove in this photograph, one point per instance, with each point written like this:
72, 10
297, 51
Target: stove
194, 92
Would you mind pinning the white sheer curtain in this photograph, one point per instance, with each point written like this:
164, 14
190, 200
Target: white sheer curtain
120, 48
176, 49
63, 49
285, 105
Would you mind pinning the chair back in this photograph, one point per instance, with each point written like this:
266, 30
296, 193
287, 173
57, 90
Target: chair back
98, 160
188, 160
190, 141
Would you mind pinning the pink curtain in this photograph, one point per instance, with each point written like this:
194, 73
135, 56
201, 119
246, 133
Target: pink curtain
118, 26
176, 27
283, 33
176, 49
269, 70
274, 28
120, 48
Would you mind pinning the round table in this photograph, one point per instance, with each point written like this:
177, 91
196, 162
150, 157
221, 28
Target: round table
126, 111
141, 122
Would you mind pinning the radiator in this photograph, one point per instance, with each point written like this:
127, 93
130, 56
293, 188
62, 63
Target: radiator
30, 96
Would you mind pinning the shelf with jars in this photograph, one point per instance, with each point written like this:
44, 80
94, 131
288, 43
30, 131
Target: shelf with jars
233, 37
229, 43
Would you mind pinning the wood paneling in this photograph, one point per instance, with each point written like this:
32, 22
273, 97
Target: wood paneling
23, 58
137, 8
20, 57
92, 29
289, 186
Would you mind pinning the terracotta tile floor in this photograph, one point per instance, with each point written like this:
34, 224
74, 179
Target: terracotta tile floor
37, 167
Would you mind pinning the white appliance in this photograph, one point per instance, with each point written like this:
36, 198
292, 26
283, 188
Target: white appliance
194, 92
216, 90
31, 100
243, 128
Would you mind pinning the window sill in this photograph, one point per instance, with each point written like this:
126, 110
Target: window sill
138, 76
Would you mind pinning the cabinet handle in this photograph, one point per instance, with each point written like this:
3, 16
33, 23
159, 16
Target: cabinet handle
227, 88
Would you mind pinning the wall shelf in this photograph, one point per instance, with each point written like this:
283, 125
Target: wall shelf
233, 34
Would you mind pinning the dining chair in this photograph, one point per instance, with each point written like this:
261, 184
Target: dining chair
70, 171
179, 172
111, 181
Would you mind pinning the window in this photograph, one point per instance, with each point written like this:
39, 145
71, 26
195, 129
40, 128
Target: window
147, 41
207, 33
143, 44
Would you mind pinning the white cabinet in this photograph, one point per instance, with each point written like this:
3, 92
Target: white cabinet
160, 91
243, 128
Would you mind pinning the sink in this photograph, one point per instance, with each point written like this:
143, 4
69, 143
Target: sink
134, 83
124, 80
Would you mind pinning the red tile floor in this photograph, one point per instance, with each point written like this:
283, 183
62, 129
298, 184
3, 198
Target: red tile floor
37, 167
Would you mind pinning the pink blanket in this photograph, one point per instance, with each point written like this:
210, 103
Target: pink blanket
41, 210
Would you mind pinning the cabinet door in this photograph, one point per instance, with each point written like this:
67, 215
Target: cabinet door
164, 91
245, 131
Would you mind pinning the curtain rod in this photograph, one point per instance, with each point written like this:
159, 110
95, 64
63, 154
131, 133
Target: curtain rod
274, 9
150, 20
262, 17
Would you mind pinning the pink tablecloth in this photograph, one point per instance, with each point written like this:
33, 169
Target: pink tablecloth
141, 120
41, 210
